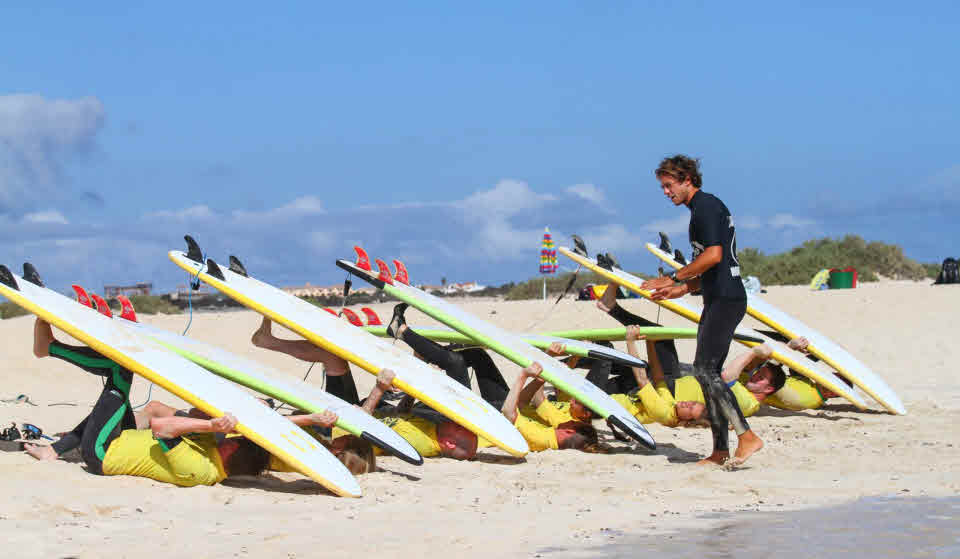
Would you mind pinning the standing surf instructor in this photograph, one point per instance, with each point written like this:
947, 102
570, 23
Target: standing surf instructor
715, 272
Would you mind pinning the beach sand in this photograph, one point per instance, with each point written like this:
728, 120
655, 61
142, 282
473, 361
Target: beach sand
907, 332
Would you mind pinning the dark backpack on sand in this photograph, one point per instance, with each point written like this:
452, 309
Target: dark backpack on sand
949, 272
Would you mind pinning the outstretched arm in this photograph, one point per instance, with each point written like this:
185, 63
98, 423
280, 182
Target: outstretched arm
384, 380
321, 419
753, 358
639, 373
519, 394
175, 426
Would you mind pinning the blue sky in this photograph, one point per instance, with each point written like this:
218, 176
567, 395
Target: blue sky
450, 135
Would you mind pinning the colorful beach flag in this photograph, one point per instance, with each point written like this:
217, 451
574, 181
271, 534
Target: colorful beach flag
548, 254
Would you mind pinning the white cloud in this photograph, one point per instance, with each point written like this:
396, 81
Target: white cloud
39, 136
193, 212
49, 216
301, 207
321, 241
776, 221
509, 197
588, 192
672, 226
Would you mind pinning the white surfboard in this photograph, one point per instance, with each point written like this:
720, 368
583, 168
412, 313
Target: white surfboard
505, 343
201, 388
748, 337
283, 387
368, 352
820, 345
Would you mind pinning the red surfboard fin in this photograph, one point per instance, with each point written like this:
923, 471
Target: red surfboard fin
402, 276
82, 296
126, 308
372, 318
352, 317
102, 306
363, 261
385, 276
331, 311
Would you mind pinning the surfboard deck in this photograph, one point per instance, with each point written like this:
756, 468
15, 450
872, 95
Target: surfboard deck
363, 350
586, 334
781, 353
273, 383
507, 345
820, 345
202, 389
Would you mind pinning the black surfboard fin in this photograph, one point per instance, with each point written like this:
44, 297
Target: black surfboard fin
193, 249
376, 441
579, 247
7, 278
665, 243
237, 267
612, 261
603, 262
214, 270
678, 256
30, 274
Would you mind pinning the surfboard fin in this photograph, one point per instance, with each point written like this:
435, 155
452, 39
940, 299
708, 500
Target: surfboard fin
193, 249
372, 318
363, 261
603, 262
331, 311
665, 243
30, 274
377, 442
612, 260
82, 296
352, 317
579, 247
7, 278
237, 267
126, 308
385, 276
214, 270
678, 256
102, 306
401, 274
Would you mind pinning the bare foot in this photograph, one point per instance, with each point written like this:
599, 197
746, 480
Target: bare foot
263, 335
40, 451
748, 445
716, 459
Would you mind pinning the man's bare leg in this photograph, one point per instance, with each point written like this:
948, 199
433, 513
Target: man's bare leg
301, 349
40, 451
42, 337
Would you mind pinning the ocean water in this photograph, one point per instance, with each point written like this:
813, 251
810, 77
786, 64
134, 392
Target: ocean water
876, 527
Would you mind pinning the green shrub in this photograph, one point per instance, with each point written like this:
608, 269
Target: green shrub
9, 310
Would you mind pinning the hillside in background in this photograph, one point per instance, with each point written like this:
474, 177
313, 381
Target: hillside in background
798, 266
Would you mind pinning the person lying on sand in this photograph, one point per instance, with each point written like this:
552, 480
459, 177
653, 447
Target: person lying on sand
431, 438
797, 392
184, 451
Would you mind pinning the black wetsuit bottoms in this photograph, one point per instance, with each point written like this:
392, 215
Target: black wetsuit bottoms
456, 363
717, 324
111, 413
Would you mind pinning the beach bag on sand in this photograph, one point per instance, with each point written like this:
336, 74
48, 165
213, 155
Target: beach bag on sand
949, 272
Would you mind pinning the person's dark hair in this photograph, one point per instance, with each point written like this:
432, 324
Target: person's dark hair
584, 437
248, 459
779, 377
681, 168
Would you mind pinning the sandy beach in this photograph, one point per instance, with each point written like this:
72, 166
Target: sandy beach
497, 504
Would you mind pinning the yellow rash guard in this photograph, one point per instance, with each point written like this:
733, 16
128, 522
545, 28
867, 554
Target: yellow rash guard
538, 436
419, 432
195, 461
548, 413
658, 404
798, 393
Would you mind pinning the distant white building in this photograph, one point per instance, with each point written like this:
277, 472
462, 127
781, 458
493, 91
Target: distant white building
467, 287
307, 290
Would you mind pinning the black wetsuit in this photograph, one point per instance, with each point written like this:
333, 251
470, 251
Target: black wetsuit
724, 305
111, 413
